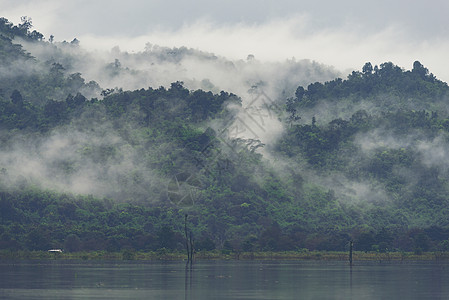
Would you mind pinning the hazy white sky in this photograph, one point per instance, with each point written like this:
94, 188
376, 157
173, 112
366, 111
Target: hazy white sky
345, 33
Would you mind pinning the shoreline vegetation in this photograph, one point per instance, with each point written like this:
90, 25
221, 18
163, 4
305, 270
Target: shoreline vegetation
164, 254
139, 173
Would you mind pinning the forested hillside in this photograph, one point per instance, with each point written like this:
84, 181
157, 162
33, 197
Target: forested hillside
297, 164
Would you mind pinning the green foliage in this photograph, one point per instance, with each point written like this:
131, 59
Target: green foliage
415, 88
365, 175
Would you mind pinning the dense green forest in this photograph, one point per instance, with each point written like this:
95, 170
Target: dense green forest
85, 167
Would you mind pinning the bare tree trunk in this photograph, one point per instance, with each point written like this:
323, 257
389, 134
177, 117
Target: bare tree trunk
187, 239
192, 248
351, 244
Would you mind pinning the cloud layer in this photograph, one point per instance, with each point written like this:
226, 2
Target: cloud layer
344, 34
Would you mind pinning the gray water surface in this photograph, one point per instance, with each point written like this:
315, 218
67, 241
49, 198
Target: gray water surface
58, 279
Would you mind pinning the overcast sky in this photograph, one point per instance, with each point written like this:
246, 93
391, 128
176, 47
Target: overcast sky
344, 34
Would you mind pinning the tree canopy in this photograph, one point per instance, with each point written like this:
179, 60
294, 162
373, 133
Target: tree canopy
360, 159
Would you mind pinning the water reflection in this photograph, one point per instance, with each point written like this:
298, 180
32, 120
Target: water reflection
350, 276
188, 281
222, 280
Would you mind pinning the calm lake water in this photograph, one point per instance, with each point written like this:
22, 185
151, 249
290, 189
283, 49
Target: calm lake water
223, 280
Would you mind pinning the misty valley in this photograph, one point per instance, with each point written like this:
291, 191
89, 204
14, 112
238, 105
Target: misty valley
121, 152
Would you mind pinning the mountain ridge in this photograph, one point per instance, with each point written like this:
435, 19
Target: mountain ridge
275, 167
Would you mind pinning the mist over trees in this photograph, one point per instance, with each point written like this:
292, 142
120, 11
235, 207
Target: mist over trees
109, 154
